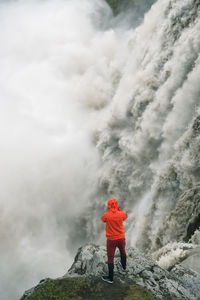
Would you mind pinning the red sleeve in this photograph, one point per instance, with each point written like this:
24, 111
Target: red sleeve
103, 218
125, 216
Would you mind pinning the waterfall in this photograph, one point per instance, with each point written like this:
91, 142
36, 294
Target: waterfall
95, 105
150, 142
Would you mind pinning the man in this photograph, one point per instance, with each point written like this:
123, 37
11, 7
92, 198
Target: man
115, 234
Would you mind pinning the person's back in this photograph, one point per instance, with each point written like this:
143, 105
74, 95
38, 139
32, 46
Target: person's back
115, 234
114, 223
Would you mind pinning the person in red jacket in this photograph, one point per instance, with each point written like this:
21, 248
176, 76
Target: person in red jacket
115, 234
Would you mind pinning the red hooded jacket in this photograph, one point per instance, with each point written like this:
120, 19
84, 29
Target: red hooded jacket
114, 218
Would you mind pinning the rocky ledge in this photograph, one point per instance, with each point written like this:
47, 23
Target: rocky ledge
143, 279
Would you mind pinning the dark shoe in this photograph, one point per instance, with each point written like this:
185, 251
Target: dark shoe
123, 262
107, 279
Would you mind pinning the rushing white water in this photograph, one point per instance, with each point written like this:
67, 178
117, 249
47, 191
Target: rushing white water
60, 62
150, 142
91, 107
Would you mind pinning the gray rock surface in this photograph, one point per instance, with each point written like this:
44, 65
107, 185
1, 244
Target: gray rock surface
193, 262
189, 278
91, 260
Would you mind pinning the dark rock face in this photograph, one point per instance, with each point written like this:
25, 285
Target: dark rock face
123, 5
186, 212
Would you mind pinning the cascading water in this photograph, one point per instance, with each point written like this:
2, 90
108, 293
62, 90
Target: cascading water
148, 144
93, 107
150, 141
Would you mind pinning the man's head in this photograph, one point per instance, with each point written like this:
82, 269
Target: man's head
112, 204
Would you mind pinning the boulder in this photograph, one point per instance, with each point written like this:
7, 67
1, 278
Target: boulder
141, 269
143, 277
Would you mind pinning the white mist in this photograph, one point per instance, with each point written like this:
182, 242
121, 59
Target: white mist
54, 77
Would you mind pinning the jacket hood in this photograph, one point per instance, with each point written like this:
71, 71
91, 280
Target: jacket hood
112, 204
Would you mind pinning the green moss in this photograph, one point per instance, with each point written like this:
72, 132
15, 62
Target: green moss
58, 289
79, 288
137, 292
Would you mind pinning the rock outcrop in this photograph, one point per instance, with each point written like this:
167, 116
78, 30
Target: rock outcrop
121, 5
142, 273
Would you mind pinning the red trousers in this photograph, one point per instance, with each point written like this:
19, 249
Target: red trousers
111, 246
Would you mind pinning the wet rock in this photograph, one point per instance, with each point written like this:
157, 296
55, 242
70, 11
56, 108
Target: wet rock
91, 260
143, 277
192, 261
188, 278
